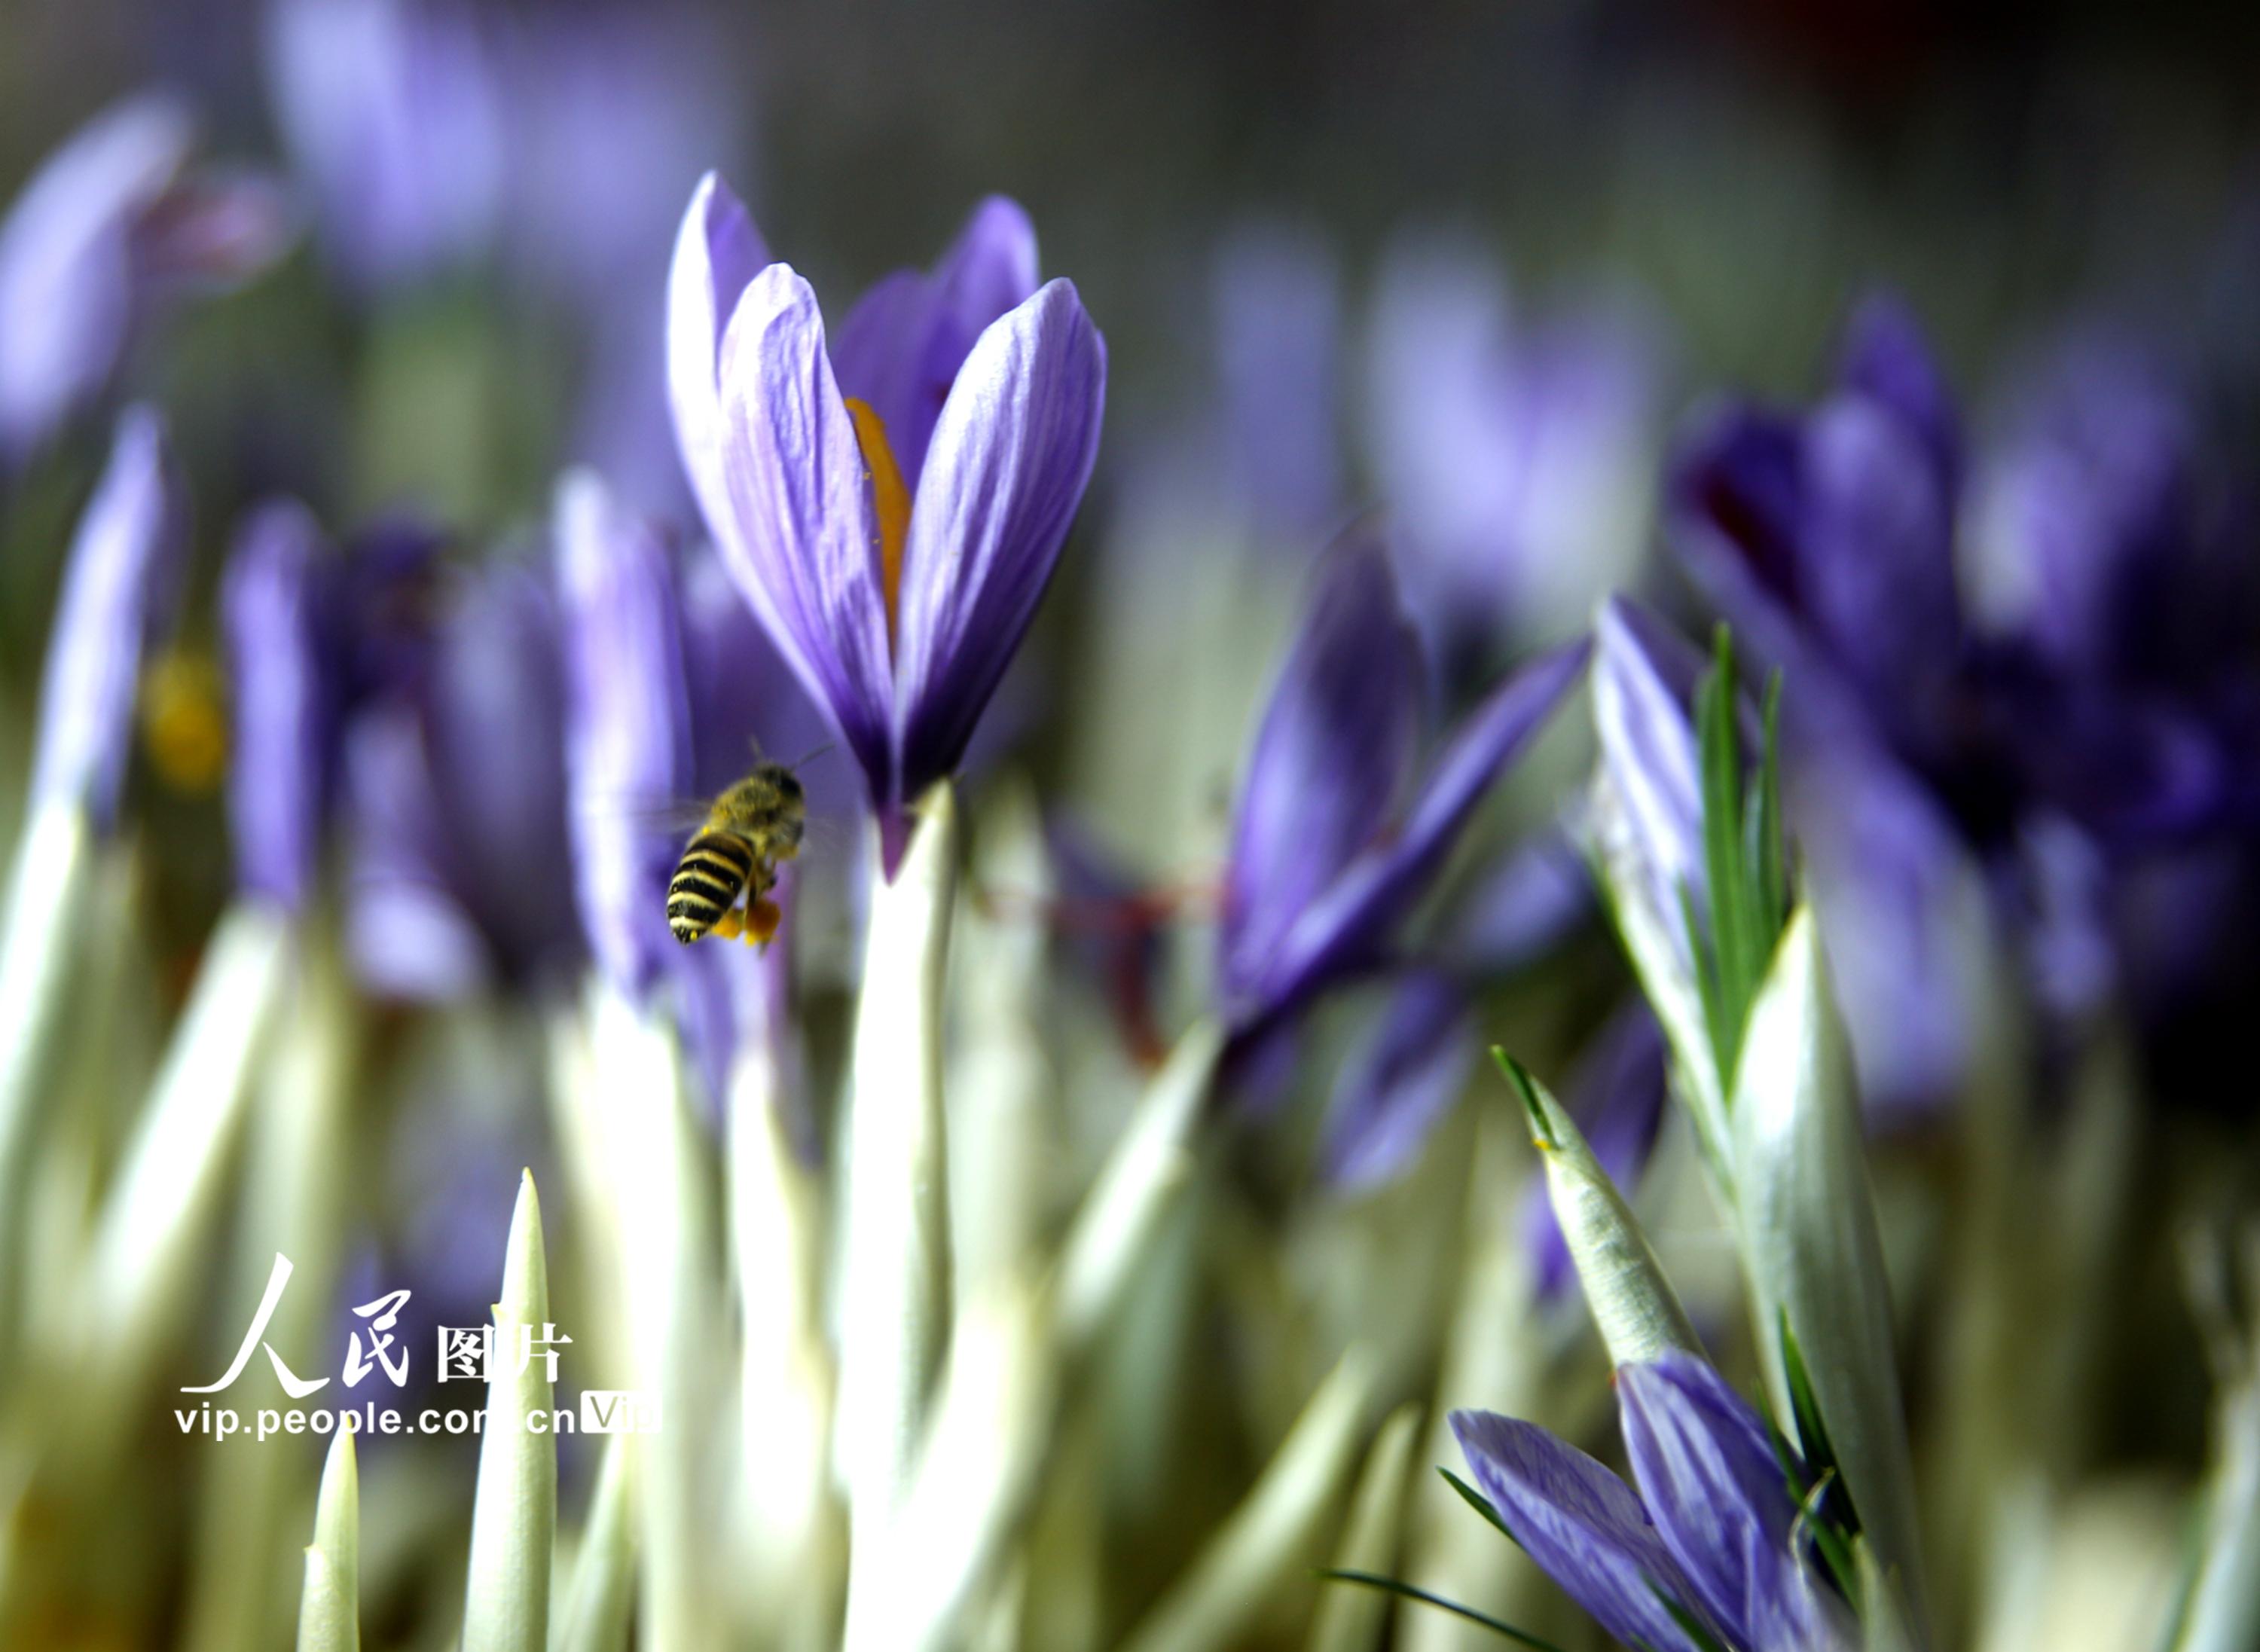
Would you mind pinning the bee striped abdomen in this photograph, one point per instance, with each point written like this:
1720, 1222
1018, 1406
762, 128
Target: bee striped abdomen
714, 867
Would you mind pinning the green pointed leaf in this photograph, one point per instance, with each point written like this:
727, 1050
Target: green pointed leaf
1371, 1580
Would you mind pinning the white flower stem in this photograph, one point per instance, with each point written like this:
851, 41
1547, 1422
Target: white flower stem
329, 1605
40, 940
659, 1182
897, 1288
291, 1202
514, 1512
154, 1222
785, 1372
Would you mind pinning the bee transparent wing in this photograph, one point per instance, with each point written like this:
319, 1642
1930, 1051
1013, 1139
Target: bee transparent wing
671, 818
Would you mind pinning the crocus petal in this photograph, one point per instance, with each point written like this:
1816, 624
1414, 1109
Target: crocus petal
119, 581
1349, 926
903, 346
68, 272
1581, 1524
743, 697
1644, 679
1903, 917
626, 734
717, 252
407, 933
1520, 910
1011, 456
1709, 1476
1885, 359
1876, 552
1401, 1082
391, 112
493, 727
1331, 759
799, 535
1276, 294
271, 611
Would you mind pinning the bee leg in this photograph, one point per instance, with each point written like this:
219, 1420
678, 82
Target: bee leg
761, 920
729, 925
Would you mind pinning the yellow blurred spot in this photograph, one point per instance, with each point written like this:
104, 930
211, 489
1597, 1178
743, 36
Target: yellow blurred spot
891, 501
185, 722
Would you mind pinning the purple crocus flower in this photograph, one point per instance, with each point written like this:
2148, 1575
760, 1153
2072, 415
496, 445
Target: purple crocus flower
117, 587
1712, 1531
2097, 692
659, 654
1400, 1083
1334, 842
107, 224
1513, 451
893, 510
392, 116
1645, 676
457, 781
1274, 292
272, 612
626, 724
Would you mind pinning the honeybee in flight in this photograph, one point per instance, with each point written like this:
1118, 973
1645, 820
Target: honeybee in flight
754, 825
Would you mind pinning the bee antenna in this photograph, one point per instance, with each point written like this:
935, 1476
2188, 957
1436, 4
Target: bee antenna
797, 763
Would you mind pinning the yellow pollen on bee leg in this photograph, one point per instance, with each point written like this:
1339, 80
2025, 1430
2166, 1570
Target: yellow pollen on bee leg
891, 501
761, 920
729, 925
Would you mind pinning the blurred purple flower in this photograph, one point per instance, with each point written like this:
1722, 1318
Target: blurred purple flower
611, 115
1274, 292
1335, 843
628, 737
1514, 455
652, 673
105, 226
1712, 1531
119, 585
458, 799
897, 590
1527, 902
1400, 1083
271, 612
2100, 684
392, 114
1616, 1095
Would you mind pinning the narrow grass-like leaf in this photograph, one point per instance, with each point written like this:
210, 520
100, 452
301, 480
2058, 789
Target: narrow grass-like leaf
1480, 1504
1690, 1626
1767, 852
601, 1606
1371, 1580
329, 1605
1260, 1544
1353, 1623
514, 1512
1123, 1211
2222, 1611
